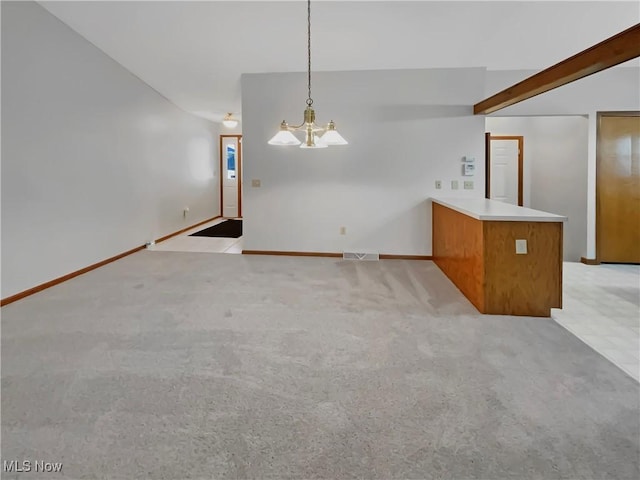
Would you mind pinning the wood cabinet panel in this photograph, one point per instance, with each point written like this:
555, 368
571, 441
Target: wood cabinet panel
528, 284
457, 250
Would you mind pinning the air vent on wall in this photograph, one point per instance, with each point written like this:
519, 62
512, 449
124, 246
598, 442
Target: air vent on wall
360, 256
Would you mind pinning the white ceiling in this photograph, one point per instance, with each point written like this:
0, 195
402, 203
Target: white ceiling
193, 53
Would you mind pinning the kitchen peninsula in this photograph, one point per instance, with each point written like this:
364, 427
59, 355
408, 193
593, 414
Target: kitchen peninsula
505, 259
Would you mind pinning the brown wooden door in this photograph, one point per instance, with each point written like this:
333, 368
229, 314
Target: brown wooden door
618, 188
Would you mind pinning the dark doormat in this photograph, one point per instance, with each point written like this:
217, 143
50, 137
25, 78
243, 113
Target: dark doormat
226, 229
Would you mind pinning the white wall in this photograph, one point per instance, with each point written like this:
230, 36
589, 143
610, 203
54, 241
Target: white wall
615, 89
555, 170
406, 128
94, 162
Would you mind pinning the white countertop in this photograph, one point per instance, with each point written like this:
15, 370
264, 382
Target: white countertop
485, 209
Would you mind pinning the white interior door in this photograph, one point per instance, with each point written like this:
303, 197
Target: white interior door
231, 176
504, 171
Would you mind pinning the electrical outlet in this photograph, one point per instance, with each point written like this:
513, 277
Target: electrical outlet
468, 185
521, 247
438, 184
343, 230
454, 184
255, 183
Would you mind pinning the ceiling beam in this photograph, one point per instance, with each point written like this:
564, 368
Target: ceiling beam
615, 50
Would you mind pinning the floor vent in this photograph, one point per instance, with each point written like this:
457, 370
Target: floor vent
360, 256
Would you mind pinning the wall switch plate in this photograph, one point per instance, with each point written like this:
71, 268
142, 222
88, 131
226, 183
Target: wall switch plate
454, 184
521, 247
438, 184
255, 183
468, 185
343, 230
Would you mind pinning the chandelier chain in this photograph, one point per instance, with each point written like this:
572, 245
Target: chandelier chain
329, 134
309, 99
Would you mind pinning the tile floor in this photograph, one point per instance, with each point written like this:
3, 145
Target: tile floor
601, 303
601, 306
185, 243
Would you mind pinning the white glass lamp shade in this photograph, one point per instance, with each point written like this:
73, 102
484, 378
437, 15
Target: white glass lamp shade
332, 137
284, 137
229, 122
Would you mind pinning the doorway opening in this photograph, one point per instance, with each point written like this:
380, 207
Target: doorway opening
504, 166
231, 176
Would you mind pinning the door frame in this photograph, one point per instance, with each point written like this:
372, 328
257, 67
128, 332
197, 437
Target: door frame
599, 115
238, 169
487, 163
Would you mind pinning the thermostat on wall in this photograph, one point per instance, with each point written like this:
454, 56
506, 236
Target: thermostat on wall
468, 169
468, 159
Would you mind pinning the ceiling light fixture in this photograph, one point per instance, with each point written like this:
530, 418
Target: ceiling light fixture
228, 121
330, 135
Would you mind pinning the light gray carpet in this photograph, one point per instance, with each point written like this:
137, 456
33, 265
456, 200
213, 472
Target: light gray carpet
185, 365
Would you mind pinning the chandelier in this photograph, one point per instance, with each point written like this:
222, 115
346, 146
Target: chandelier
315, 136
228, 121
